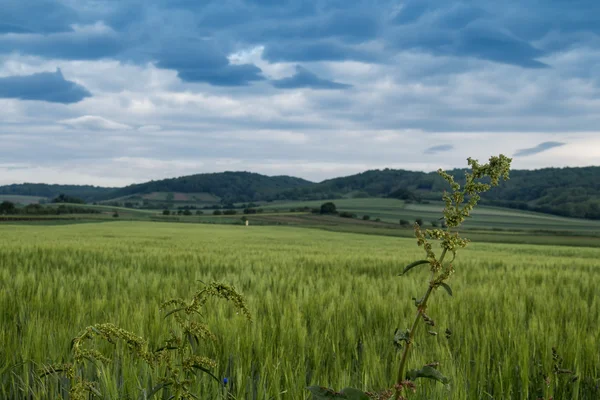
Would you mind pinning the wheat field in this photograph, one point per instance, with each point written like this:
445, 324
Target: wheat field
325, 306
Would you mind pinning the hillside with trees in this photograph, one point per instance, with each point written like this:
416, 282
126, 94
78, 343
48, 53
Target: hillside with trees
573, 192
228, 186
85, 192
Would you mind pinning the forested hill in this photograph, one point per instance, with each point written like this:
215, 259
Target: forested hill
229, 186
85, 192
571, 192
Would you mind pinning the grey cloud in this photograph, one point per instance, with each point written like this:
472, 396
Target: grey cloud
202, 61
44, 86
490, 44
348, 25
411, 11
438, 149
439, 14
298, 31
229, 75
87, 44
459, 15
478, 40
303, 78
451, 67
13, 28
325, 50
538, 149
35, 16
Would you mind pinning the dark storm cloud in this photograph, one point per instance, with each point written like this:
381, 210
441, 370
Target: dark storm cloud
45, 86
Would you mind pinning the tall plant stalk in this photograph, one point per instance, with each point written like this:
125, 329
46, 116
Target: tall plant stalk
458, 206
420, 312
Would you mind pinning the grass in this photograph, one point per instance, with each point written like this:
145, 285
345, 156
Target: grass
489, 224
392, 210
324, 307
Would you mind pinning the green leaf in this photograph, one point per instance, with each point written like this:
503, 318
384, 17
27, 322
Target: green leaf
51, 371
400, 336
156, 388
354, 394
166, 348
94, 391
411, 266
193, 340
447, 287
174, 311
427, 372
322, 393
207, 371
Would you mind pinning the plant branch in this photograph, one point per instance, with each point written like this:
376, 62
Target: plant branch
420, 310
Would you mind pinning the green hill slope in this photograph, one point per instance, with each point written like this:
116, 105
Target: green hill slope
228, 186
572, 192
85, 192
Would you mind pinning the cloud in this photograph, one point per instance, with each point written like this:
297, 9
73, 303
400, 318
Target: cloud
438, 149
41, 16
353, 25
411, 11
43, 86
538, 149
481, 41
93, 122
202, 61
317, 50
293, 30
303, 78
169, 77
149, 128
81, 42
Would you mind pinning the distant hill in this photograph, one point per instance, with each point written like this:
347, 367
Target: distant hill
228, 186
573, 192
85, 192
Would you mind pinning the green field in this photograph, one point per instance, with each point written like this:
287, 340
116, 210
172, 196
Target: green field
392, 210
488, 224
325, 307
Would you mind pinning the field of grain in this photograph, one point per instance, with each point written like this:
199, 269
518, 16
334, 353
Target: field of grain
325, 306
483, 217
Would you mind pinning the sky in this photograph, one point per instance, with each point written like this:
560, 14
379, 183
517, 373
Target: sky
114, 92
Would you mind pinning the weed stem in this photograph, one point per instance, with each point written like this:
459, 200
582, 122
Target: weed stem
420, 310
